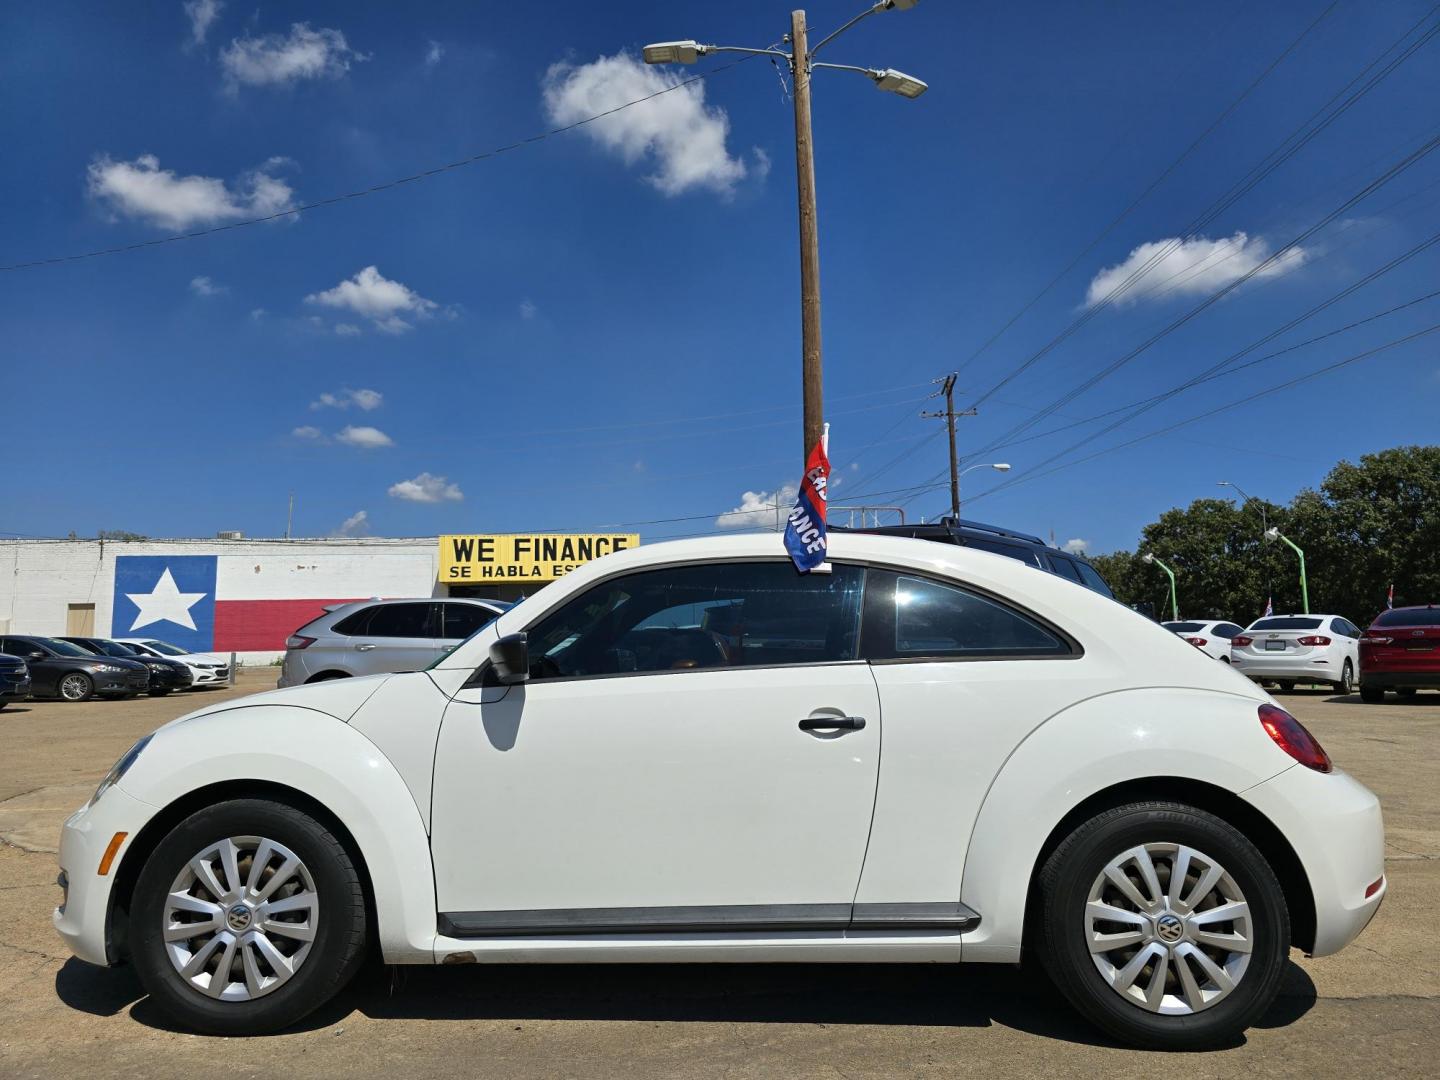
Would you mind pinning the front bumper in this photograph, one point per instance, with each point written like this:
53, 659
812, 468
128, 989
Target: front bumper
15, 690
83, 917
109, 682
1333, 822
209, 676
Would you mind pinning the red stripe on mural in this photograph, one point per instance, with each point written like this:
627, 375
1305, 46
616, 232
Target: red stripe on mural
262, 625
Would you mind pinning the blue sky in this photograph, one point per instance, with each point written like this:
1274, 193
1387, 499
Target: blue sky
601, 329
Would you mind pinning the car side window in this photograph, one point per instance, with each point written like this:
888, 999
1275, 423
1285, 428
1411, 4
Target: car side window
357, 622
1226, 630
720, 615
1065, 568
911, 618
400, 621
1010, 551
462, 620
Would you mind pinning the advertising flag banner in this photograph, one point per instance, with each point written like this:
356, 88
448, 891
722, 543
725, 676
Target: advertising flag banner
1269, 608
805, 532
1390, 598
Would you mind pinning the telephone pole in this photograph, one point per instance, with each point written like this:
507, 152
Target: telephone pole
948, 389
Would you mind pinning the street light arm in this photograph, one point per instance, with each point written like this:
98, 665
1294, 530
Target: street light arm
705, 50
872, 10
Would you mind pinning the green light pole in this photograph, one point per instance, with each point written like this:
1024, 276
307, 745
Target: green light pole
1273, 533
1174, 603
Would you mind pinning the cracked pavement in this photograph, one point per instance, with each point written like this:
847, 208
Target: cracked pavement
1373, 1010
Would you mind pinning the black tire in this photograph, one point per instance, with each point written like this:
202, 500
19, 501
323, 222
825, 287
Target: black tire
340, 931
1224, 660
1405, 693
83, 687
1346, 685
1286, 685
159, 693
1371, 695
1065, 883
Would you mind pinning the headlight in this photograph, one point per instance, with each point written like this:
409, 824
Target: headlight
121, 767
113, 668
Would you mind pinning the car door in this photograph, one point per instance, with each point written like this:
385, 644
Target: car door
964, 677
457, 621
397, 637
697, 748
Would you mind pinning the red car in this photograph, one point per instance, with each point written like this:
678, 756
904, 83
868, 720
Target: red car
1401, 652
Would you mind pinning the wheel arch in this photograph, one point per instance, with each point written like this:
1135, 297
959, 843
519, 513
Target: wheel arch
328, 674
1258, 828
159, 826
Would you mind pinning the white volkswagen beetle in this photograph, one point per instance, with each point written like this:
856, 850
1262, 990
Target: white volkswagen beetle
675, 754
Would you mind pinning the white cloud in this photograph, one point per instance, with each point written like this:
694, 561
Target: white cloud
141, 189
374, 296
357, 524
275, 59
313, 434
762, 162
528, 310
434, 53
1191, 266
201, 13
257, 313
348, 329
760, 510
426, 488
365, 438
204, 286
1076, 546
364, 400
683, 137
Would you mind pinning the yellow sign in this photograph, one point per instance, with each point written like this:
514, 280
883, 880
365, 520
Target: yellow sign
524, 556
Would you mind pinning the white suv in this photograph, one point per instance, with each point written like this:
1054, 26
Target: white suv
672, 754
1290, 649
370, 637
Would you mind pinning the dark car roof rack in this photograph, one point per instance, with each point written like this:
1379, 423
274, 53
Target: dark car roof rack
980, 526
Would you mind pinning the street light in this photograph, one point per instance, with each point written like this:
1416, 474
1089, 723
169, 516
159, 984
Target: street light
1274, 533
998, 466
1149, 557
801, 60
1264, 520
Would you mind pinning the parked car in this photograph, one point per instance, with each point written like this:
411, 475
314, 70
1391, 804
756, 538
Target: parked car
369, 637
997, 540
59, 669
1401, 652
206, 669
1286, 649
672, 754
165, 674
14, 679
1211, 637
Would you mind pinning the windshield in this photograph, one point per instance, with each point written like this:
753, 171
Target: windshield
1289, 623
1414, 617
63, 648
111, 648
165, 648
1184, 627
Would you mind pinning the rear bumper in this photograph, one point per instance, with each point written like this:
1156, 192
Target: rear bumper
1333, 823
83, 917
1279, 667
1420, 680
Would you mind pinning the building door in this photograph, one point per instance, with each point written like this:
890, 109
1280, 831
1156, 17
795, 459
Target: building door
80, 620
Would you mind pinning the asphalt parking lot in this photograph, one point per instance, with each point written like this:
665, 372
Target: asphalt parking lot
1374, 1010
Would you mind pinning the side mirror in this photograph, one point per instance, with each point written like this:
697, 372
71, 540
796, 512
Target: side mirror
510, 659
35, 655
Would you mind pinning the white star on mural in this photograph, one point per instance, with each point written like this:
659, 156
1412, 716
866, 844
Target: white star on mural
165, 603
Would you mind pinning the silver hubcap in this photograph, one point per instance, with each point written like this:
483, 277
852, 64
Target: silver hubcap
74, 687
240, 918
1168, 928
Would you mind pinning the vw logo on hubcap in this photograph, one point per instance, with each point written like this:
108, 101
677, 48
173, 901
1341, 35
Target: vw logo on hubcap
1169, 928
238, 917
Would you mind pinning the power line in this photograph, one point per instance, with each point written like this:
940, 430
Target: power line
1164, 175
376, 188
1300, 138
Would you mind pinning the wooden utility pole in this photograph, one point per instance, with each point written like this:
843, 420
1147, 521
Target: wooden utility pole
948, 389
809, 237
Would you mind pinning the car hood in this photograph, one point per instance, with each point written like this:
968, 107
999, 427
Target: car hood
340, 698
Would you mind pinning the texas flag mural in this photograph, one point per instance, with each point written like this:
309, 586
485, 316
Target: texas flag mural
207, 603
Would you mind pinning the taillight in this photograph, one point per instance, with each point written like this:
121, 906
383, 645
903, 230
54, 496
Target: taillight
1241, 640
298, 641
1196, 641
1375, 639
1313, 639
1290, 735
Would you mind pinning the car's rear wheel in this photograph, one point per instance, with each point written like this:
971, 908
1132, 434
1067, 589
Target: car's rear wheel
76, 686
1285, 685
160, 692
1371, 695
1164, 926
1224, 659
1346, 685
248, 916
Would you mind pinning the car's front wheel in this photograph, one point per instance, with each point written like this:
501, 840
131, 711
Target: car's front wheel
76, 686
160, 692
247, 916
1346, 685
1164, 926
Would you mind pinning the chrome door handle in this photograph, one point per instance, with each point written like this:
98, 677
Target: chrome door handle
832, 723
363, 648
